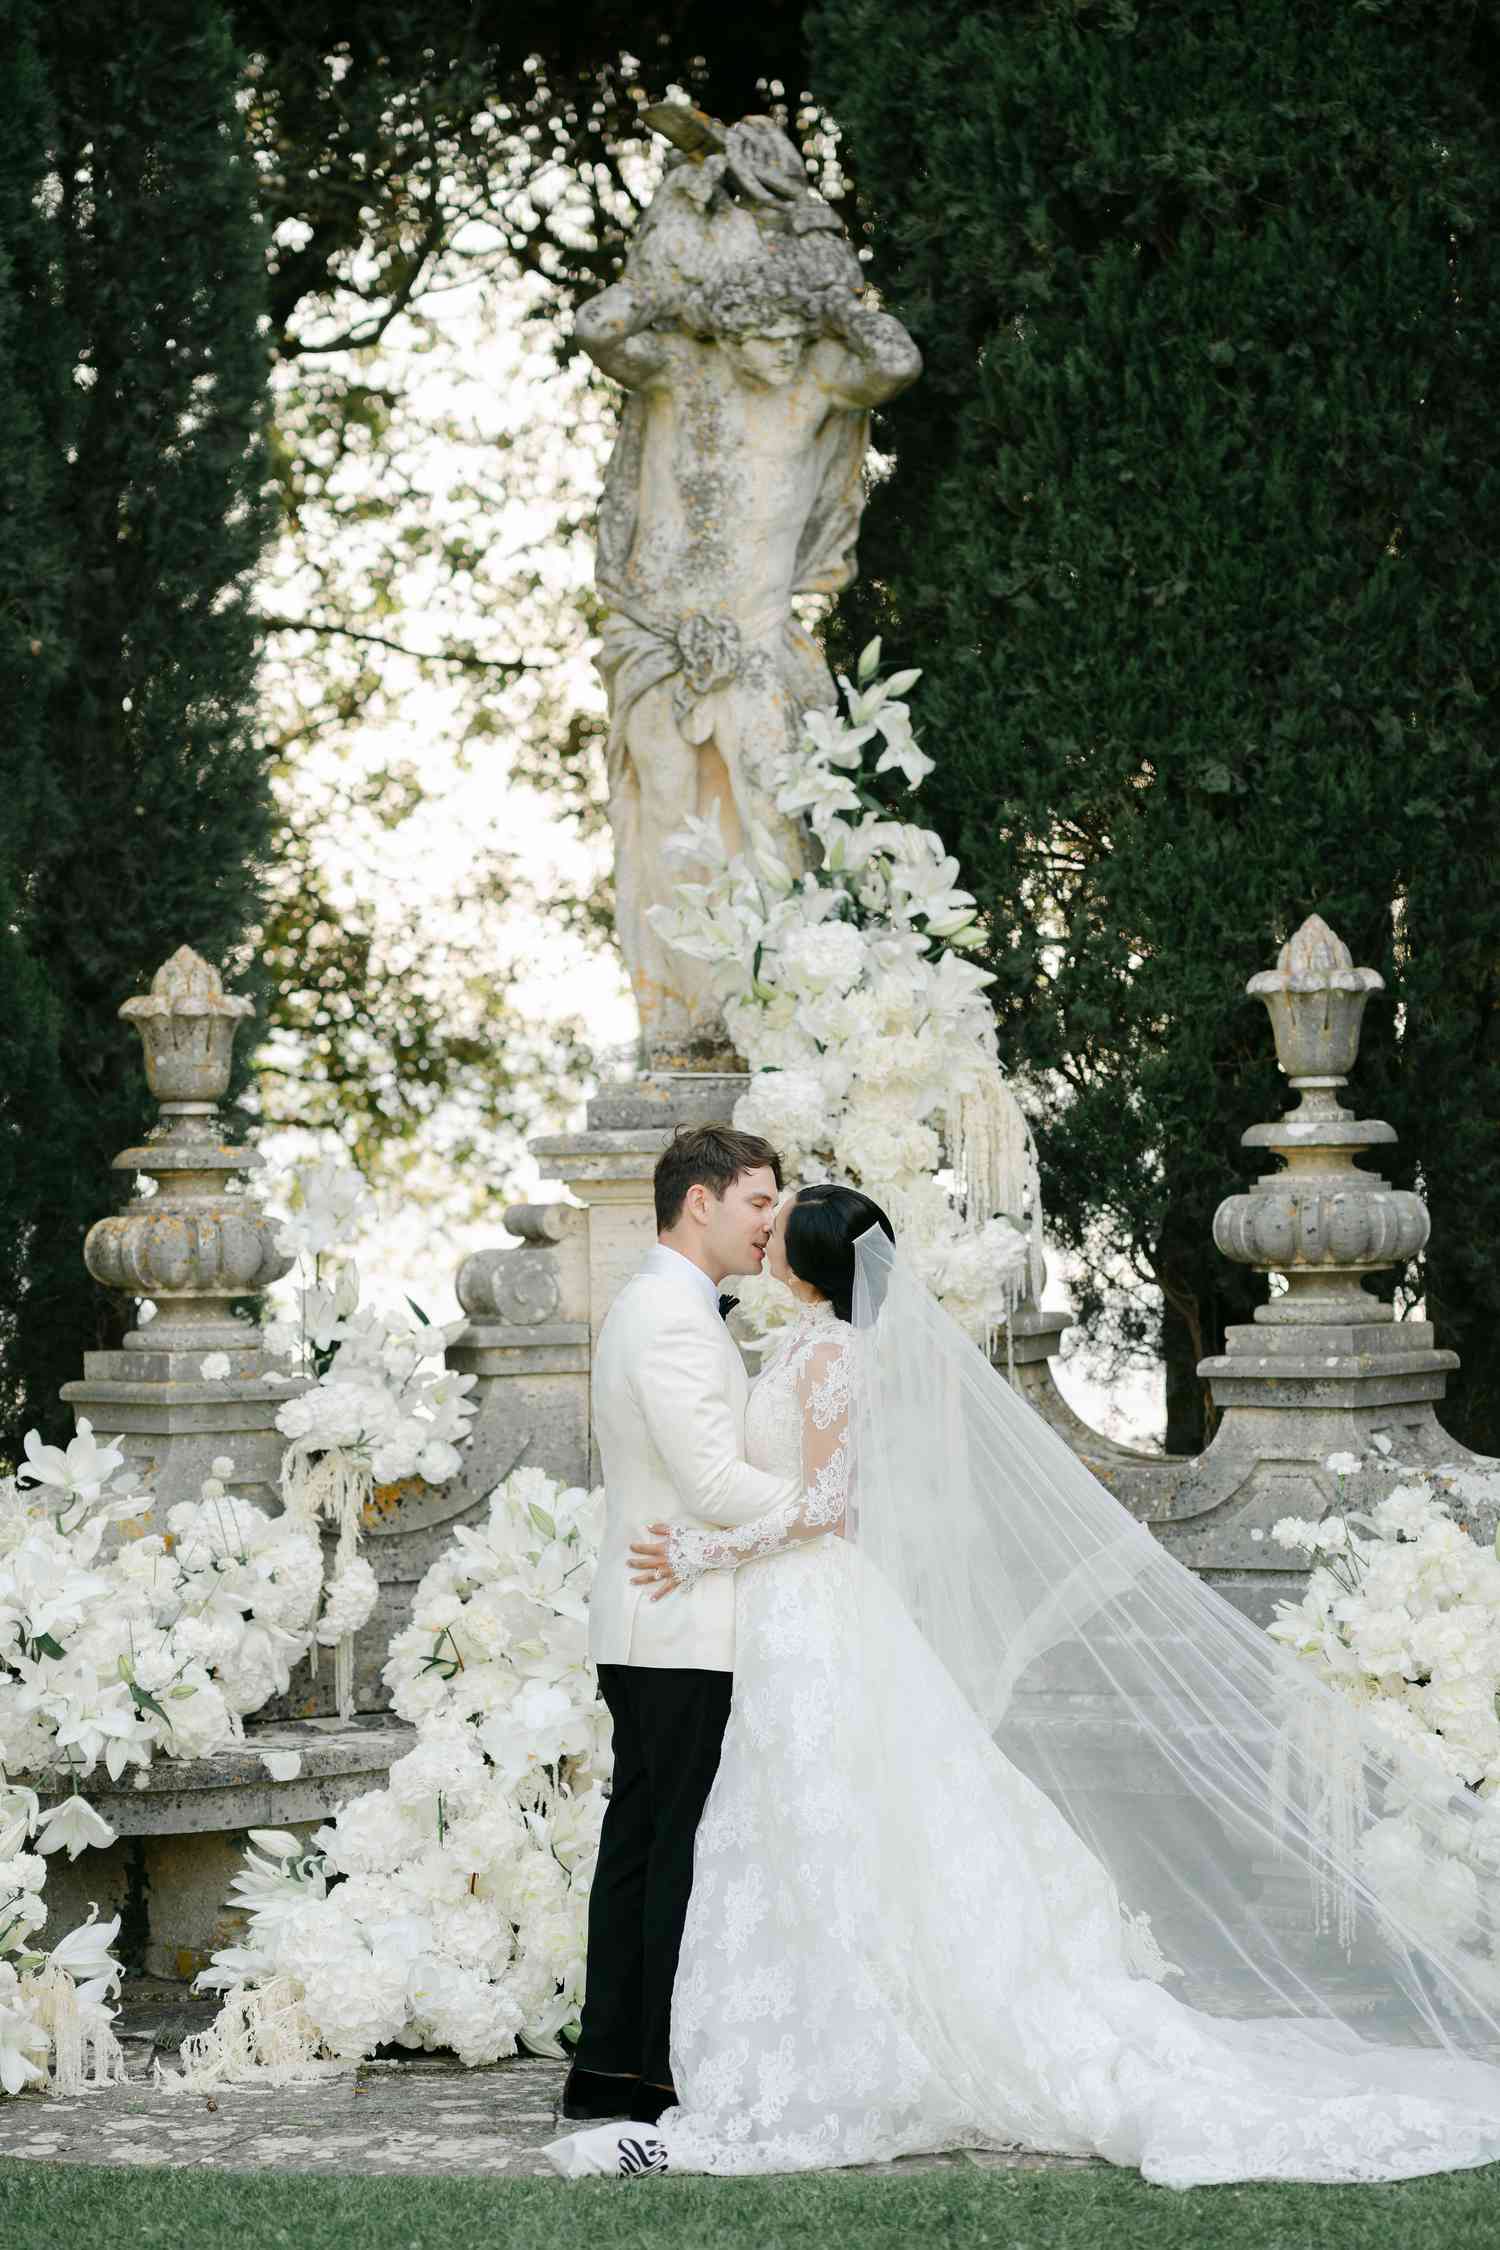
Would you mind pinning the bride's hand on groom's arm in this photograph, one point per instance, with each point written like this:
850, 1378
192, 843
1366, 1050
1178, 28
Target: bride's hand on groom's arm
649, 1565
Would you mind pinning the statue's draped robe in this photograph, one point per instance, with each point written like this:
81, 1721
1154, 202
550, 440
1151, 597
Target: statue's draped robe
640, 645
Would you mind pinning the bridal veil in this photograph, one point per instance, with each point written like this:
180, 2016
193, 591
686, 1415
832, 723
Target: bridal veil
1278, 1861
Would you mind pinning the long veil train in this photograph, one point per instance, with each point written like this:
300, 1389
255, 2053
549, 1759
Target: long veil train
1283, 1867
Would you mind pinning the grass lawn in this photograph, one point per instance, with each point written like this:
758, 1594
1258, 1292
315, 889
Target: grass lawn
57, 2207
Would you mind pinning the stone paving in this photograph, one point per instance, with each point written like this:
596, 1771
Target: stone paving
418, 2115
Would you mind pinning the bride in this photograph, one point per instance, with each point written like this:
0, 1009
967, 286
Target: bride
1022, 1836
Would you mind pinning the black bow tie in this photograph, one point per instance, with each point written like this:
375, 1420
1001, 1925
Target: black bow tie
726, 1306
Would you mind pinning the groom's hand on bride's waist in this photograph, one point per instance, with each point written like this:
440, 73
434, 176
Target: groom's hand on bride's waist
649, 1565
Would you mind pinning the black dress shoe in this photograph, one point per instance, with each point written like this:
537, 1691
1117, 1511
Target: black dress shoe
591, 2097
651, 2102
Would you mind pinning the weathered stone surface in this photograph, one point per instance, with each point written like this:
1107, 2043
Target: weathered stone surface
751, 360
179, 1839
666, 1099
420, 2116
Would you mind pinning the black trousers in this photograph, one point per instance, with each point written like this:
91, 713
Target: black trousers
669, 1727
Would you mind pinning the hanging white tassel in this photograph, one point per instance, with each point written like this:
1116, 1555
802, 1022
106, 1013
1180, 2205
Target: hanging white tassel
262, 2035
335, 1490
84, 2048
60, 2014
1319, 1759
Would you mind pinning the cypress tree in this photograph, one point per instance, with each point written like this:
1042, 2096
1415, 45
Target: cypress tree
1195, 531
33, 571
140, 812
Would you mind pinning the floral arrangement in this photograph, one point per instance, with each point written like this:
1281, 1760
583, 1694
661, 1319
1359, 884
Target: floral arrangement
870, 1043
55, 2015
158, 1649
447, 1909
1401, 1615
379, 1404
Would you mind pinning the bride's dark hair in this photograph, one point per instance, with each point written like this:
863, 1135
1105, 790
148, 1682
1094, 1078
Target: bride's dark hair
822, 1228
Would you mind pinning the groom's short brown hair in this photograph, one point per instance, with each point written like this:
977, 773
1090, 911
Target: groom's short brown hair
711, 1156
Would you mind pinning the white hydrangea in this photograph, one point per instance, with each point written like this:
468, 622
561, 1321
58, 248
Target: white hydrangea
789, 1108
820, 954
350, 1602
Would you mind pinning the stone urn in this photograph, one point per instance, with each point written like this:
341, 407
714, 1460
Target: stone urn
200, 1240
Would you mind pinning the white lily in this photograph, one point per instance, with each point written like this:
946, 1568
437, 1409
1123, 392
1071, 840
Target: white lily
901, 750
72, 1826
18, 1817
24, 2048
107, 1728
700, 838
833, 740
81, 1469
85, 1952
818, 792
277, 1843
327, 1201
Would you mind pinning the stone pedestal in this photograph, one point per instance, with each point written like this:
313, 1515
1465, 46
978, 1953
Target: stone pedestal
1290, 1398
171, 1422
192, 1247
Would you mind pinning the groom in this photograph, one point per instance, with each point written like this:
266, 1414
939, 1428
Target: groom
669, 1393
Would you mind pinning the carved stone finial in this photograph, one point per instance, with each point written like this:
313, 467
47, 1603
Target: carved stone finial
1316, 998
1322, 1221
199, 1242
187, 1025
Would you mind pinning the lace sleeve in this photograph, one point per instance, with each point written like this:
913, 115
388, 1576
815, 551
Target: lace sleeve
823, 1384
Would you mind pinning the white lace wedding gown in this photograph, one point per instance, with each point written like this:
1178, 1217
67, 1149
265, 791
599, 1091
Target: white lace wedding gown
816, 2017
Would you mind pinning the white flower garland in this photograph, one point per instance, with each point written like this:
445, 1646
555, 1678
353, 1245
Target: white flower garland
380, 1406
449, 1908
870, 1043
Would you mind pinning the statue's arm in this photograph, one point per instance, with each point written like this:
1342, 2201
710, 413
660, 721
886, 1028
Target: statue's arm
615, 329
872, 358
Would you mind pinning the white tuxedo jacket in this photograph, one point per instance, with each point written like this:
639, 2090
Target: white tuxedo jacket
669, 1394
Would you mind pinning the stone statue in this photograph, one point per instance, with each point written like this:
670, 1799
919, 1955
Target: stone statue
741, 333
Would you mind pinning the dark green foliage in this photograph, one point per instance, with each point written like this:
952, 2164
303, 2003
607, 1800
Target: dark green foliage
137, 807
1195, 530
32, 574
